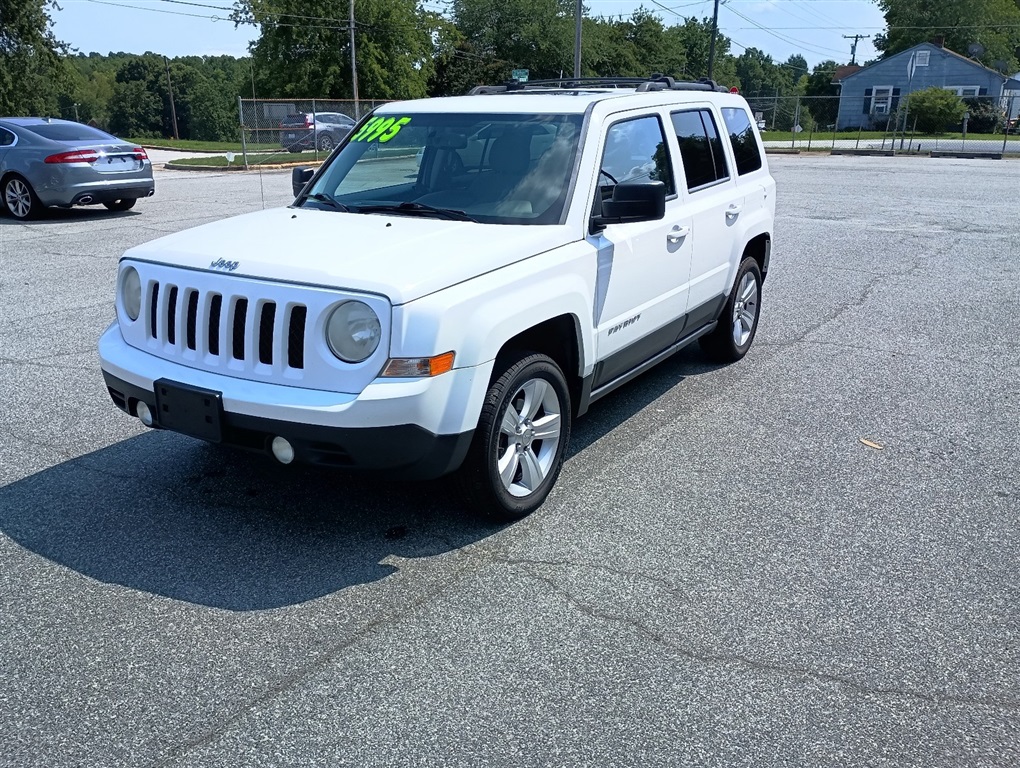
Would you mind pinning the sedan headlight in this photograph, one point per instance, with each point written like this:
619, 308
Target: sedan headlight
353, 331
131, 292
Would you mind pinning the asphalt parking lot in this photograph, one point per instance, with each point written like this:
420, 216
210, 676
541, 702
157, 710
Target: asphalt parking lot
725, 575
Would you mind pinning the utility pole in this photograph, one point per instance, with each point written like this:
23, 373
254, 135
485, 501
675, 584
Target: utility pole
577, 40
76, 113
715, 31
354, 67
170, 86
853, 48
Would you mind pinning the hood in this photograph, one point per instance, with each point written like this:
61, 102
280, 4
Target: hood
400, 257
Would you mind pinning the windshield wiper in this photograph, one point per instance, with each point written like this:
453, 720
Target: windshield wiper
325, 197
417, 209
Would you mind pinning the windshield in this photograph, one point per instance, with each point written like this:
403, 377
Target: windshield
499, 169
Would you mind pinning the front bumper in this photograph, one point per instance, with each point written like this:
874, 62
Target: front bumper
395, 426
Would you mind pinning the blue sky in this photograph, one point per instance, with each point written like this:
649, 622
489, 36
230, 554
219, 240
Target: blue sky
813, 28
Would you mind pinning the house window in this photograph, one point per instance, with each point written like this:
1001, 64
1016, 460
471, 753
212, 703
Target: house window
921, 58
965, 91
881, 103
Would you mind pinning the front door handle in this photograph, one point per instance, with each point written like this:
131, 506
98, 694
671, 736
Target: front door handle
677, 234
734, 210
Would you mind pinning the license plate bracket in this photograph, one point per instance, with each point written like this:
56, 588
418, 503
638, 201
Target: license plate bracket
190, 410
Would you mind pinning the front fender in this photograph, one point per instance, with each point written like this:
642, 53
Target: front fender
476, 318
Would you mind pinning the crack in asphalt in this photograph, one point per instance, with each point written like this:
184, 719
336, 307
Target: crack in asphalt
757, 665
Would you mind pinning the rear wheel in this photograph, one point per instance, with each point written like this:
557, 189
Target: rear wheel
739, 322
20, 199
521, 440
326, 142
123, 204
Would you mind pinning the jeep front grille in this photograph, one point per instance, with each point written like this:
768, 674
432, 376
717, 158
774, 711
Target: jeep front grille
228, 327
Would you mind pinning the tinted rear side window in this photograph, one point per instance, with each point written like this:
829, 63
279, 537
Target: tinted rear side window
69, 132
6, 138
745, 146
700, 147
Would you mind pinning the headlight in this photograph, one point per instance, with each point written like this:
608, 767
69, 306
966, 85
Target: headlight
131, 292
353, 331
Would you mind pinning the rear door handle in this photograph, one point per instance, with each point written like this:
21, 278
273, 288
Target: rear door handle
677, 234
734, 210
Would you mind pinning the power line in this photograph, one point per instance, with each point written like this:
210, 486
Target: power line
792, 41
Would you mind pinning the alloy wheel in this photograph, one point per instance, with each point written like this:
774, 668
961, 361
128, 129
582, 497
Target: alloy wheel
529, 435
745, 309
18, 198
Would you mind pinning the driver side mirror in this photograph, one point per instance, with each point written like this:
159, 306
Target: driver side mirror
632, 201
299, 177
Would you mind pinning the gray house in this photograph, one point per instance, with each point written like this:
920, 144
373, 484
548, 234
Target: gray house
869, 96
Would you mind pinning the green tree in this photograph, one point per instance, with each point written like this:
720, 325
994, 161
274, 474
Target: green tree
936, 109
822, 93
303, 49
694, 38
31, 73
993, 24
537, 35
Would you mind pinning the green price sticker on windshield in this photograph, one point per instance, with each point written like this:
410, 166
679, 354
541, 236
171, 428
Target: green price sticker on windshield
381, 129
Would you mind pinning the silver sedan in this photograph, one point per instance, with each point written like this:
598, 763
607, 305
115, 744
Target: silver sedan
46, 162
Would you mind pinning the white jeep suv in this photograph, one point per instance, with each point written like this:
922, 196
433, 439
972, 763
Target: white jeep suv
459, 281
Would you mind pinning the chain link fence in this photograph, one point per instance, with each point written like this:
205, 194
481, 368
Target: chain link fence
284, 130
884, 123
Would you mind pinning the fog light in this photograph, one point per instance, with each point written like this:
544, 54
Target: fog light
144, 414
283, 450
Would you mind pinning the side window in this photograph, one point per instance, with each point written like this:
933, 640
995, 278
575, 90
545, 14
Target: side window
6, 138
745, 147
700, 147
635, 151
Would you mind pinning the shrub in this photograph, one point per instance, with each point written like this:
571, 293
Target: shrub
985, 116
935, 110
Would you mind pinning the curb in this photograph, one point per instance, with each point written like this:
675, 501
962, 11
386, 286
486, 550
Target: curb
866, 152
966, 155
196, 151
238, 167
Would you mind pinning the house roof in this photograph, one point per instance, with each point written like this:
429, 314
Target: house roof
930, 47
845, 71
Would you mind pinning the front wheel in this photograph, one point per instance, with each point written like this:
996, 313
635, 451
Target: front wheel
521, 440
123, 204
739, 322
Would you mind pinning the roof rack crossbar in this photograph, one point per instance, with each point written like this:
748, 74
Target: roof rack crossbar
656, 82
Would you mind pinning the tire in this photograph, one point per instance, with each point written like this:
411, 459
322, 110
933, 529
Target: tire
510, 469
738, 323
326, 143
123, 204
19, 198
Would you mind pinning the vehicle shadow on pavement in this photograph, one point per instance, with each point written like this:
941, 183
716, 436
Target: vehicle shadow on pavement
81, 213
175, 517
171, 516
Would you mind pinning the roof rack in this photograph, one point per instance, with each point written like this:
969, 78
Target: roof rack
654, 82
